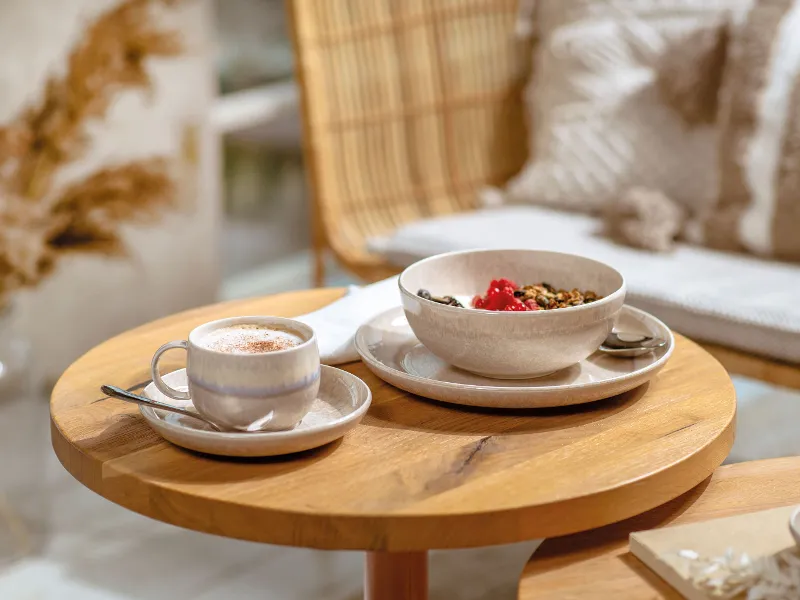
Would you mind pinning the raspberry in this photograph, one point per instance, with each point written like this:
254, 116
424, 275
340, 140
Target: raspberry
503, 283
515, 307
507, 296
500, 296
531, 304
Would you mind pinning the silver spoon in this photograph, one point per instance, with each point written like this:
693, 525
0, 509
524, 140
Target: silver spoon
629, 345
112, 390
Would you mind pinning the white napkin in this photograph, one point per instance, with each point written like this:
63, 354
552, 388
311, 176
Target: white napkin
337, 323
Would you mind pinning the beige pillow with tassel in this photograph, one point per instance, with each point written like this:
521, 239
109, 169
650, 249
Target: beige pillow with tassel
624, 96
759, 204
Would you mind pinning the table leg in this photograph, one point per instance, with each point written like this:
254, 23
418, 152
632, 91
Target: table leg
396, 576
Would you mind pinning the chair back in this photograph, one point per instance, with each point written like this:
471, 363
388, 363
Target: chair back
409, 107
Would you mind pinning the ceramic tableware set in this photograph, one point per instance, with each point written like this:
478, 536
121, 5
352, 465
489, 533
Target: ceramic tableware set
512, 359
254, 386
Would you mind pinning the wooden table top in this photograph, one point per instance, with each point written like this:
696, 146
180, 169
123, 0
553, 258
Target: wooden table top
415, 474
597, 564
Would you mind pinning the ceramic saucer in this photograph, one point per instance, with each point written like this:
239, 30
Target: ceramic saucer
342, 402
391, 351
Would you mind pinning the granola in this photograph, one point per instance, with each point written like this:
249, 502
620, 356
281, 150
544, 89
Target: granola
506, 295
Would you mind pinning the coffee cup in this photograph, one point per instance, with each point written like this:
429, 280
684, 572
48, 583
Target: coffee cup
256, 373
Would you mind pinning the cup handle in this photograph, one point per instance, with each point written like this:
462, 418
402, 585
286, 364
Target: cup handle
168, 391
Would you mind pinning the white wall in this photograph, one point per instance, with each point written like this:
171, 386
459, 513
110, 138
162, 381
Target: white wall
173, 264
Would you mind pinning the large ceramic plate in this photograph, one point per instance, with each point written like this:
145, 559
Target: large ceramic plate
391, 351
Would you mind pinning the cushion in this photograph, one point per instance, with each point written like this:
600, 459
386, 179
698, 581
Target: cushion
759, 205
735, 300
620, 98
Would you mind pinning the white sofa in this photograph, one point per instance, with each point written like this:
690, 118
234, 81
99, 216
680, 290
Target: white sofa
734, 300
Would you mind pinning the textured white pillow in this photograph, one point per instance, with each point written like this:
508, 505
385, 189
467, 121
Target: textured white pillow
759, 206
602, 118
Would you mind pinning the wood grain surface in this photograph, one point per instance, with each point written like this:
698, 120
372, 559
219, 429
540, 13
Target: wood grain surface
415, 475
396, 576
598, 564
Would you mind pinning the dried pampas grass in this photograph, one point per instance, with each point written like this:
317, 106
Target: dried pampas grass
88, 214
39, 220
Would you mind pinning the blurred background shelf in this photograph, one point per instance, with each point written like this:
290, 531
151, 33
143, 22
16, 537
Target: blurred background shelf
265, 233
254, 46
256, 107
289, 273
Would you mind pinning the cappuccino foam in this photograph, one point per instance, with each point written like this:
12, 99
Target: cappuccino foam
250, 338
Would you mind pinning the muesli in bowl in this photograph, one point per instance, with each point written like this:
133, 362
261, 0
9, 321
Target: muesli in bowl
497, 332
505, 295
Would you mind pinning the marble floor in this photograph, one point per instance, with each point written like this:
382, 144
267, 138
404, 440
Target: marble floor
91, 549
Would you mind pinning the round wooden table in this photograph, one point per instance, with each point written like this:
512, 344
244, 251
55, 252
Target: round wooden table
415, 475
599, 565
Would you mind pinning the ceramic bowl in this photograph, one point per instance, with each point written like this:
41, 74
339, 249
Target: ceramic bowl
794, 525
510, 345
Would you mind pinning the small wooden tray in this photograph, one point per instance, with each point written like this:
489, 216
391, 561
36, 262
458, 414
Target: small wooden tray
758, 534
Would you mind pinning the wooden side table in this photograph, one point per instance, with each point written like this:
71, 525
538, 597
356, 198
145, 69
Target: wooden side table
415, 475
597, 564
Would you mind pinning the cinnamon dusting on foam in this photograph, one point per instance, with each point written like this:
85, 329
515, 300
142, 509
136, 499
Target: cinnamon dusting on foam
250, 338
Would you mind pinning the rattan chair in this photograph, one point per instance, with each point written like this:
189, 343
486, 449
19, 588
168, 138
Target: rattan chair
409, 106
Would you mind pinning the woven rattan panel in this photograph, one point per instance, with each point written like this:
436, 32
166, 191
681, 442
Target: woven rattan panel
410, 106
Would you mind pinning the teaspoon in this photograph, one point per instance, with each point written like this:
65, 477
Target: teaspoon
112, 390
629, 345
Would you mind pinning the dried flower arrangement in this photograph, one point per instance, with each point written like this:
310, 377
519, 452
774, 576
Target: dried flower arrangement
41, 219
